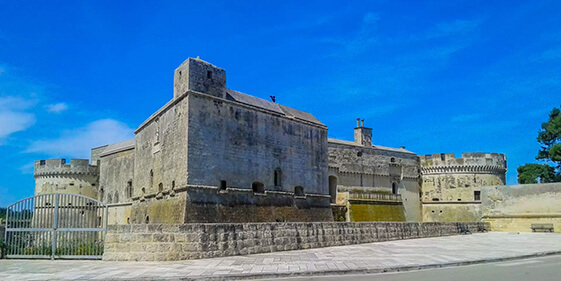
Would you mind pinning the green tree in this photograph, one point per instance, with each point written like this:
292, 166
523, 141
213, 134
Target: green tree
534, 173
550, 152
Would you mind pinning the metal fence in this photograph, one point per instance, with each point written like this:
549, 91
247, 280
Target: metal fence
56, 226
376, 196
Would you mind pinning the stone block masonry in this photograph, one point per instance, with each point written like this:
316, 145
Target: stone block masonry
161, 242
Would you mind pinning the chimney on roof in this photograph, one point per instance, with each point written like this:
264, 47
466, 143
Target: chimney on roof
363, 135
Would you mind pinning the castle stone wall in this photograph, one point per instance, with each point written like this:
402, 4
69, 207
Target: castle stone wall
514, 208
160, 164
159, 242
241, 145
116, 177
451, 211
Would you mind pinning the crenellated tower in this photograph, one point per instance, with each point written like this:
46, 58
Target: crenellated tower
451, 187
58, 176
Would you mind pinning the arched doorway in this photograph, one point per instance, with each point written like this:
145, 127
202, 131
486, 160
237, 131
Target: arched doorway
394, 188
333, 188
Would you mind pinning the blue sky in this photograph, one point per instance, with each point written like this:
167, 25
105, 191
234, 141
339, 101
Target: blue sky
442, 76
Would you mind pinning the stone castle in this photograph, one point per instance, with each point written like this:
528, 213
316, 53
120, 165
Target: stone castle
212, 154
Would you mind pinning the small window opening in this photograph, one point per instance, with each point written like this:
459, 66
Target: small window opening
180, 73
258, 187
440, 211
172, 185
278, 177
147, 221
432, 211
143, 190
223, 184
42, 162
160, 187
392, 160
209, 74
477, 195
70, 204
359, 154
129, 189
435, 199
459, 199
299, 191
128, 220
93, 184
151, 177
71, 184
394, 188
442, 156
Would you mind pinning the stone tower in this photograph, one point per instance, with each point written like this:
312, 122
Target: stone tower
200, 76
451, 187
56, 176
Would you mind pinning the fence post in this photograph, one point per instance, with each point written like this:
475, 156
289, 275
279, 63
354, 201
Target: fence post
55, 225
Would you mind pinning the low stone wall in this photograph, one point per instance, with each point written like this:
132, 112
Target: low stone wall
514, 208
451, 211
159, 242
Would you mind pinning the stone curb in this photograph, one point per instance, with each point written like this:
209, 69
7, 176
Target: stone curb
354, 271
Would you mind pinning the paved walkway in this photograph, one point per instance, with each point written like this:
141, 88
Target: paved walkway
362, 258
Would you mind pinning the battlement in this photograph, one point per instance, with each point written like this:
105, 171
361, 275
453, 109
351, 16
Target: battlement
467, 159
61, 167
477, 162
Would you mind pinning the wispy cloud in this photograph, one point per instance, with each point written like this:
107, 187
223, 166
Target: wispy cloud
13, 116
360, 41
57, 107
27, 169
78, 142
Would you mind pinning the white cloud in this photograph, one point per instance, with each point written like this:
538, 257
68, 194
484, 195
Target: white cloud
13, 117
57, 107
78, 142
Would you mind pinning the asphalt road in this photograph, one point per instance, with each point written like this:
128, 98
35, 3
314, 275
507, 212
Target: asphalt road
535, 269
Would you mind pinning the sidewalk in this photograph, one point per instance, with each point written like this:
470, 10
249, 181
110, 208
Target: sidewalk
361, 258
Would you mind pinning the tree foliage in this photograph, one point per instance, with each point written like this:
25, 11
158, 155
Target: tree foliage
536, 173
550, 152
